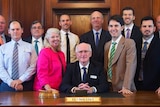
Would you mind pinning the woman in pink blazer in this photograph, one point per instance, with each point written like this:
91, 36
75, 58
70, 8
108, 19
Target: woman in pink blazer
51, 63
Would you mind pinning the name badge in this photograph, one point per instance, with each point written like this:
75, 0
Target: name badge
93, 76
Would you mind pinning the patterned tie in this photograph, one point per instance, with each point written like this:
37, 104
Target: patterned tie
143, 53
36, 46
1, 40
112, 52
97, 38
15, 73
84, 74
68, 48
128, 33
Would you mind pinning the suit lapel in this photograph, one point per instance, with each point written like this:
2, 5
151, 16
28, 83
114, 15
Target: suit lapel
151, 46
118, 50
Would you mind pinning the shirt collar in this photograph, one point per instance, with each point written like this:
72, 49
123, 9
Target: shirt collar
64, 33
81, 66
99, 31
149, 40
117, 40
19, 42
129, 26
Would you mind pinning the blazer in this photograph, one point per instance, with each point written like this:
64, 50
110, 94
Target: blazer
29, 39
136, 35
97, 52
8, 38
95, 77
123, 64
151, 66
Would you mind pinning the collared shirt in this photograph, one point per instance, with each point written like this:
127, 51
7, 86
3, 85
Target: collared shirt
117, 41
94, 32
40, 43
27, 61
148, 41
128, 27
74, 40
82, 72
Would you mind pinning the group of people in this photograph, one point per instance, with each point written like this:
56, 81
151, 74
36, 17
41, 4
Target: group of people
123, 58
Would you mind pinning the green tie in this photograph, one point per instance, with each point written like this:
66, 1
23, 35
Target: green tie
112, 52
36, 46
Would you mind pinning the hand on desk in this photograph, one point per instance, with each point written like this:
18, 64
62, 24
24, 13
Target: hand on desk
125, 91
83, 86
17, 85
158, 90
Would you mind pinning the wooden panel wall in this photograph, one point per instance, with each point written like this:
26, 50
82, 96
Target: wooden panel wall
48, 11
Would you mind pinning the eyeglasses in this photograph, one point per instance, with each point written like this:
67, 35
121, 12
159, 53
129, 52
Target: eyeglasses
39, 27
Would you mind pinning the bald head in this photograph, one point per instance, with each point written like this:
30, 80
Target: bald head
2, 24
96, 20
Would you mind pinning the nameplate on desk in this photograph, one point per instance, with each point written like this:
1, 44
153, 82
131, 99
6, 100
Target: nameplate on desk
82, 99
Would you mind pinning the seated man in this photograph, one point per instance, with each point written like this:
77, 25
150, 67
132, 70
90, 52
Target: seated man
84, 74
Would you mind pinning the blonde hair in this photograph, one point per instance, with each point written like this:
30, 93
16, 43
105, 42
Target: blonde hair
48, 34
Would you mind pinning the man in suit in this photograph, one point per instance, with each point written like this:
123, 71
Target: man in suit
91, 78
158, 26
96, 20
4, 38
128, 15
120, 58
36, 38
149, 74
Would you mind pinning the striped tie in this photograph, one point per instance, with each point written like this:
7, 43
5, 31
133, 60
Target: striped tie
15, 73
112, 52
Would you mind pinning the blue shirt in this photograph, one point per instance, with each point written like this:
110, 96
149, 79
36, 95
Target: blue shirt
27, 61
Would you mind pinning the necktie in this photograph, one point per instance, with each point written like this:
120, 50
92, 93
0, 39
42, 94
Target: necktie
144, 49
36, 46
68, 48
84, 74
128, 33
112, 52
97, 38
143, 53
15, 73
1, 40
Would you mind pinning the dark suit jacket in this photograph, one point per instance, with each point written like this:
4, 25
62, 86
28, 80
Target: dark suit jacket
97, 52
151, 65
29, 39
8, 38
136, 35
157, 34
95, 77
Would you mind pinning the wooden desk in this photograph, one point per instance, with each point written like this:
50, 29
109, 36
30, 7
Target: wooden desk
32, 99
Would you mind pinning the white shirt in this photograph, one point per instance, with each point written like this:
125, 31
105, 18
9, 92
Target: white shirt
74, 40
82, 71
96, 35
27, 61
39, 43
148, 41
